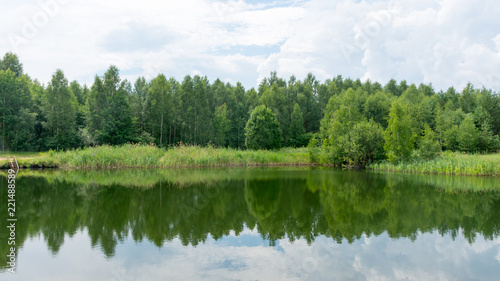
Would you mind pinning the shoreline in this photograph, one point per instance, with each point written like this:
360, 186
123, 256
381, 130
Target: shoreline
137, 156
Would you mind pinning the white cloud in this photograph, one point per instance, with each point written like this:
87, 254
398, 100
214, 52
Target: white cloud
430, 257
443, 42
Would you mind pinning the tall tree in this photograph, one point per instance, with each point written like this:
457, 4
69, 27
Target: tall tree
11, 61
399, 135
59, 107
468, 135
221, 125
297, 130
109, 113
159, 106
97, 111
15, 95
377, 107
119, 127
138, 104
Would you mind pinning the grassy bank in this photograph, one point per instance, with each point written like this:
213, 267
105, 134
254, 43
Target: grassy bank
146, 156
448, 164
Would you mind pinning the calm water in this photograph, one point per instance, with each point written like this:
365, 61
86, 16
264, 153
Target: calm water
251, 224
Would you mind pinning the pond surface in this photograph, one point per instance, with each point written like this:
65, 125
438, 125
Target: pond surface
251, 224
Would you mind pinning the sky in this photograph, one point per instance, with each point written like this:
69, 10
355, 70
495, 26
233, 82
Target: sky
443, 42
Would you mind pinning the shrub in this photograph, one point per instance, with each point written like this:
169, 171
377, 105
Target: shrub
262, 130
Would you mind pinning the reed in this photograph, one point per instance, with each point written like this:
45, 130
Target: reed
448, 163
209, 156
150, 156
105, 156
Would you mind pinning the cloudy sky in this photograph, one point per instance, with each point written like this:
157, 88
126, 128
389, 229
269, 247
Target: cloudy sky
443, 42
248, 257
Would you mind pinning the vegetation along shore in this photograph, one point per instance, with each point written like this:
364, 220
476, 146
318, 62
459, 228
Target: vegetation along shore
194, 122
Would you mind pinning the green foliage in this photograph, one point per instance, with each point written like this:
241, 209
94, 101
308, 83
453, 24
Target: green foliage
11, 62
106, 156
468, 135
447, 122
145, 138
209, 156
429, 147
59, 107
487, 141
366, 143
158, 109
148, 205
222, 124
351, 139
197, 112
262, 130
15, 104
377, 107
109, 113
296, 136
399, 136
25, 129
313, 150
448, 163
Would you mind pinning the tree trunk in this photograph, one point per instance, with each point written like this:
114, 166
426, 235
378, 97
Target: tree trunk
161, 130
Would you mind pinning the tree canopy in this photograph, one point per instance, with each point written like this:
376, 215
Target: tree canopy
355, 121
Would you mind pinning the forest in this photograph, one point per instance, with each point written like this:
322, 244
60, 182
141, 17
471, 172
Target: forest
345, 120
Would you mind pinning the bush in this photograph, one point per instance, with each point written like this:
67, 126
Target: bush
262, 130
313, 150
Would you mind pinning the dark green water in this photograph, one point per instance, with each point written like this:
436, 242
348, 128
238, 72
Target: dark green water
251, 224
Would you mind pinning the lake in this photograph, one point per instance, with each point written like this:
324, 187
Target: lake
251, 224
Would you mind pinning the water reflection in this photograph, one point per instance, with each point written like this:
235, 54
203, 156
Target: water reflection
305, 207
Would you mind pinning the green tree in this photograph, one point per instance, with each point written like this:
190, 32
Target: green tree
11, 61
447, 121
274, 97
109, 114
159, 105
59, 107
487, 140
429, 146
399, 136
97, 110
350, 138
119, 128
297, 132
138, 103
239, 115
221, 124
468, 135
377, 107
467, 100
80, 94
15, 95
262, 130
364, 143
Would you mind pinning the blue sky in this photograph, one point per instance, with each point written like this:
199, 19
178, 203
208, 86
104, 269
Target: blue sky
446, 42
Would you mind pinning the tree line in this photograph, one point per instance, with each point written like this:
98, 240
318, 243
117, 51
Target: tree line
354, 121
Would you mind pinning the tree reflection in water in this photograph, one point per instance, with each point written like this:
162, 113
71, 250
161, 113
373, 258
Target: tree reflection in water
291, 203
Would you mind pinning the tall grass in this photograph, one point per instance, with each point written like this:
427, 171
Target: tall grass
128, 155
196, 156
448, 163
149, 156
